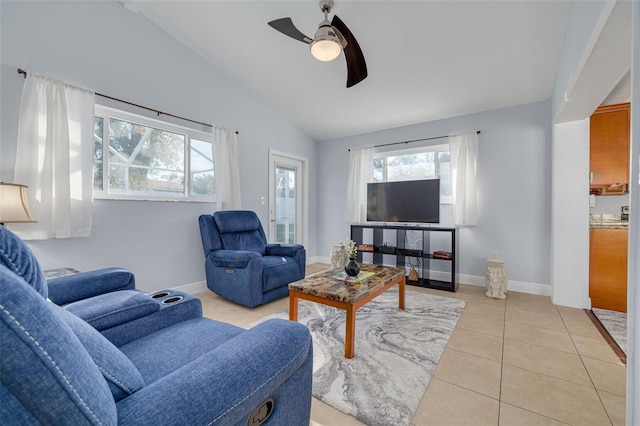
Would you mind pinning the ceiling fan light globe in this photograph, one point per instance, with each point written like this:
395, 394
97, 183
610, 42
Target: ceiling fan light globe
325, 49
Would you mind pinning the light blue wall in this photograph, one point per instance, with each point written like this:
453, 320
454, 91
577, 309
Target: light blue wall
514, 188
104, 47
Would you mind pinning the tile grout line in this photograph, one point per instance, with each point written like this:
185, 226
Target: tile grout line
587, 370
465, 388
504, 332
534, 371
538, 414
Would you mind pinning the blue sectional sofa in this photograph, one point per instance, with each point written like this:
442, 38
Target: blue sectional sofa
55, 368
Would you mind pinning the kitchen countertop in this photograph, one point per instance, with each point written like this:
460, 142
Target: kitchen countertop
607, 221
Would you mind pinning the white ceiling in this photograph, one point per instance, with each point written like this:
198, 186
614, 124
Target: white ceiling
427, 60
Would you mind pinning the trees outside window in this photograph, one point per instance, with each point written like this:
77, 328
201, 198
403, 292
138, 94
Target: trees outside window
421, 163
149, 159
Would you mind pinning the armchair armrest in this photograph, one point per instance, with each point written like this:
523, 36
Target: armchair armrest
84, 285
224, 385
289, 250
233, 258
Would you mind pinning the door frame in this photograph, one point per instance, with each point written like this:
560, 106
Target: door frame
304, 175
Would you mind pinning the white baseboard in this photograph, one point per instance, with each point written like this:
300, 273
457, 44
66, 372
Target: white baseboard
531, 288
201, 286
319, 259
194, 288
512, 285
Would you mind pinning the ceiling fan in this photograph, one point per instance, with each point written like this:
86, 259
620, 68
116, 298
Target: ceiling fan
330, 39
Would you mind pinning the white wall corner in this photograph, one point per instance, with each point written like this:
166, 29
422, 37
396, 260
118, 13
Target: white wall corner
633, 284
570, 214
133, 6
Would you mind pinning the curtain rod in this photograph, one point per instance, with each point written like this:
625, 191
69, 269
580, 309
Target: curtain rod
21, 71
414, 140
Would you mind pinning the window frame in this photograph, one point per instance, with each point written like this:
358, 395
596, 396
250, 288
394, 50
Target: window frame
436, 149
107, 113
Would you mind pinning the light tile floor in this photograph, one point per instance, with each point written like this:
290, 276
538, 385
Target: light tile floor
519, 361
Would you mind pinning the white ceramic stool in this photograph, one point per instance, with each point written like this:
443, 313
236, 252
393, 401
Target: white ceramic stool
496, 279
339, 256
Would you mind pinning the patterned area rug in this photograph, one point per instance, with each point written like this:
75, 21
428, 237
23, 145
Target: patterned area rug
396, 353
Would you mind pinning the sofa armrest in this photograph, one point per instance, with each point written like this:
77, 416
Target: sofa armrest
222, 387
233, 258
71, 288
109, 310
289, 250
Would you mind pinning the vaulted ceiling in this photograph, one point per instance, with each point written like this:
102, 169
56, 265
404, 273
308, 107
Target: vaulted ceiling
426, 60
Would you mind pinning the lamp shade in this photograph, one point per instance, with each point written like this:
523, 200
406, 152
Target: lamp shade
325, 45
325, 50
14, 207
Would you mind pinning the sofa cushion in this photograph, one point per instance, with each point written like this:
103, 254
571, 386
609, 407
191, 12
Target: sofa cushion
18, 258
44, 366
172, 347
121, 375
111, 309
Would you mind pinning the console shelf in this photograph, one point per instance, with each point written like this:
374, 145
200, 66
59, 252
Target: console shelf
394, 241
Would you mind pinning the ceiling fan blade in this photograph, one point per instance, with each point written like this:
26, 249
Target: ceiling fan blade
356, 66
286, 27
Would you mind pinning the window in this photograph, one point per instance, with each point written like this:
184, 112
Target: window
144, 159
421, 163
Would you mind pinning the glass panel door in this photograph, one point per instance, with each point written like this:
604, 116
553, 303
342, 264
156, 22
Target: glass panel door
286, 194
285, 207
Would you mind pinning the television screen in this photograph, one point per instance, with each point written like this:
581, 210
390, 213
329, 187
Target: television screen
412, 201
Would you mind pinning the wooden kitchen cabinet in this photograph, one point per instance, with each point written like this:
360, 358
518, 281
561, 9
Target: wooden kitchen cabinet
609, 149
608, 268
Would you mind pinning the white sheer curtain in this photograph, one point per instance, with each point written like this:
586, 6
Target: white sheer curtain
55, 158
360, 173
226, 169
464, 156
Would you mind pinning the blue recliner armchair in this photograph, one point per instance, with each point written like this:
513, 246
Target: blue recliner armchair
57, 369
239, 264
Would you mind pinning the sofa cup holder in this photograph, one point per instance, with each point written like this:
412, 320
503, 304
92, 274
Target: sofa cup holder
160, 294
171, 300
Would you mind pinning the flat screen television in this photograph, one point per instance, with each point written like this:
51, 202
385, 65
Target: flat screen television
411, 201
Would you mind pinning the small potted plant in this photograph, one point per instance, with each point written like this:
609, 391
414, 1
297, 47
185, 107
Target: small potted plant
352, 268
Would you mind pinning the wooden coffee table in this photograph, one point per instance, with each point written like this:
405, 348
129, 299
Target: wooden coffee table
324, 289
